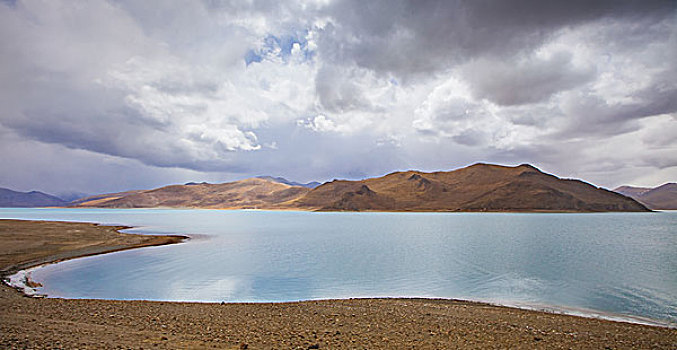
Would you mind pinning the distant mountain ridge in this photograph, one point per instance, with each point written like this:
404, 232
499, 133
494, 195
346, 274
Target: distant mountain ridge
663, 197
480, 187
15, 199
291, 183
71, 196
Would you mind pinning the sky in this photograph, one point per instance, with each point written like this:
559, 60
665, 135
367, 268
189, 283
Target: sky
103, 96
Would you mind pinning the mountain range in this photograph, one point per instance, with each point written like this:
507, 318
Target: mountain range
479, 187
663, 197
15, 199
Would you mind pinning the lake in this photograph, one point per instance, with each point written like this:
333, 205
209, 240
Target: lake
614, 265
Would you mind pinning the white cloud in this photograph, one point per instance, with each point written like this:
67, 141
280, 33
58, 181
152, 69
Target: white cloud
320, 124
451, 112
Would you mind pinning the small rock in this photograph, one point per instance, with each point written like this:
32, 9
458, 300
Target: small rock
244, 346
314, 346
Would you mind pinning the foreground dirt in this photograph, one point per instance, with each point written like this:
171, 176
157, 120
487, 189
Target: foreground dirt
328, 324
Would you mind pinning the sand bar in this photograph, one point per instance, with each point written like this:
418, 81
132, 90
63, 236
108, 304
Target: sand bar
327, 324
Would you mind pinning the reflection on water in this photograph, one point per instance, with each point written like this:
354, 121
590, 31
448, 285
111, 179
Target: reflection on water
623, 263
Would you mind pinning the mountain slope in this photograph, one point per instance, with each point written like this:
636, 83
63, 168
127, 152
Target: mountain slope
249, 193
14, 199
480, 187
663, 197
94, 201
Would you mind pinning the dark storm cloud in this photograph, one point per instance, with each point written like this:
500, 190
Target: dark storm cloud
409, 37
57, 169
593, 117
102, 122
526, 80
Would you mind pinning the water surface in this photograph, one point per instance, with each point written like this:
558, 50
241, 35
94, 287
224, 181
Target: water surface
619, 263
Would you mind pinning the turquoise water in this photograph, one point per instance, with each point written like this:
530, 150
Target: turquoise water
619, 263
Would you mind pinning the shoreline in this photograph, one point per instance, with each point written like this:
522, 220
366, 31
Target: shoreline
423, 308
28, 287
150, 241
25, 285
319, 210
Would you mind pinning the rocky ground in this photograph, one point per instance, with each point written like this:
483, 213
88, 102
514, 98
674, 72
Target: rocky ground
29, 323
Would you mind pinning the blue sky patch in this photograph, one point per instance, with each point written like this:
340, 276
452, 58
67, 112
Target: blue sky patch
280, 47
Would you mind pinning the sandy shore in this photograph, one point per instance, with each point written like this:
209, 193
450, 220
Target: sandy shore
328, 324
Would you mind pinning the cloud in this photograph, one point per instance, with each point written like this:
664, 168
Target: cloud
338, 89
406, 38
528, 80
159, 99
313, 90
319, 123
56, 169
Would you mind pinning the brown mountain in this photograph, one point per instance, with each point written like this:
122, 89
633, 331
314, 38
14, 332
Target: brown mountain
663, 197
94, 201
480, 187
249, 193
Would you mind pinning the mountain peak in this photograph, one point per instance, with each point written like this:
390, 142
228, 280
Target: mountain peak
524, 166
10, 198
663, 197
668, 185
528, 166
